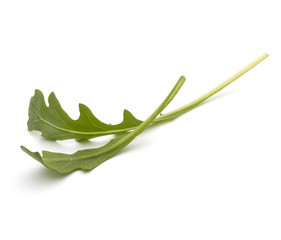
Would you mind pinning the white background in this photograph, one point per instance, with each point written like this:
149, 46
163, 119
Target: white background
214, 173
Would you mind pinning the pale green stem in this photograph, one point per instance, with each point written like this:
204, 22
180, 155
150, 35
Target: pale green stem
176, 113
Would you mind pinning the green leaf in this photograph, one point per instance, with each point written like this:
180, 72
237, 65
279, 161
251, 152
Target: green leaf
55, 124
91, 158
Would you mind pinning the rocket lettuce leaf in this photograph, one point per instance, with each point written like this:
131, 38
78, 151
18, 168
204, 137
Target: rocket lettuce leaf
91, 158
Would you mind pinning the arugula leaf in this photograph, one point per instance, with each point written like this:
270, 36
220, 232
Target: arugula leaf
42, 117
55, 124
91, 158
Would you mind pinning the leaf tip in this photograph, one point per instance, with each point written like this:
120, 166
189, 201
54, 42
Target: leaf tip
37, 91
23, 148
83, 109
81, 106
52, 96
127, 114
35, 155
38, 95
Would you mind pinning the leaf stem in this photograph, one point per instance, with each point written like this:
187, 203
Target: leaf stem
179, 111
91, 158
128, 138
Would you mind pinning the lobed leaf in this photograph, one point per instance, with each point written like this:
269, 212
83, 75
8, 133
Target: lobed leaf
91, 158
55, 124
